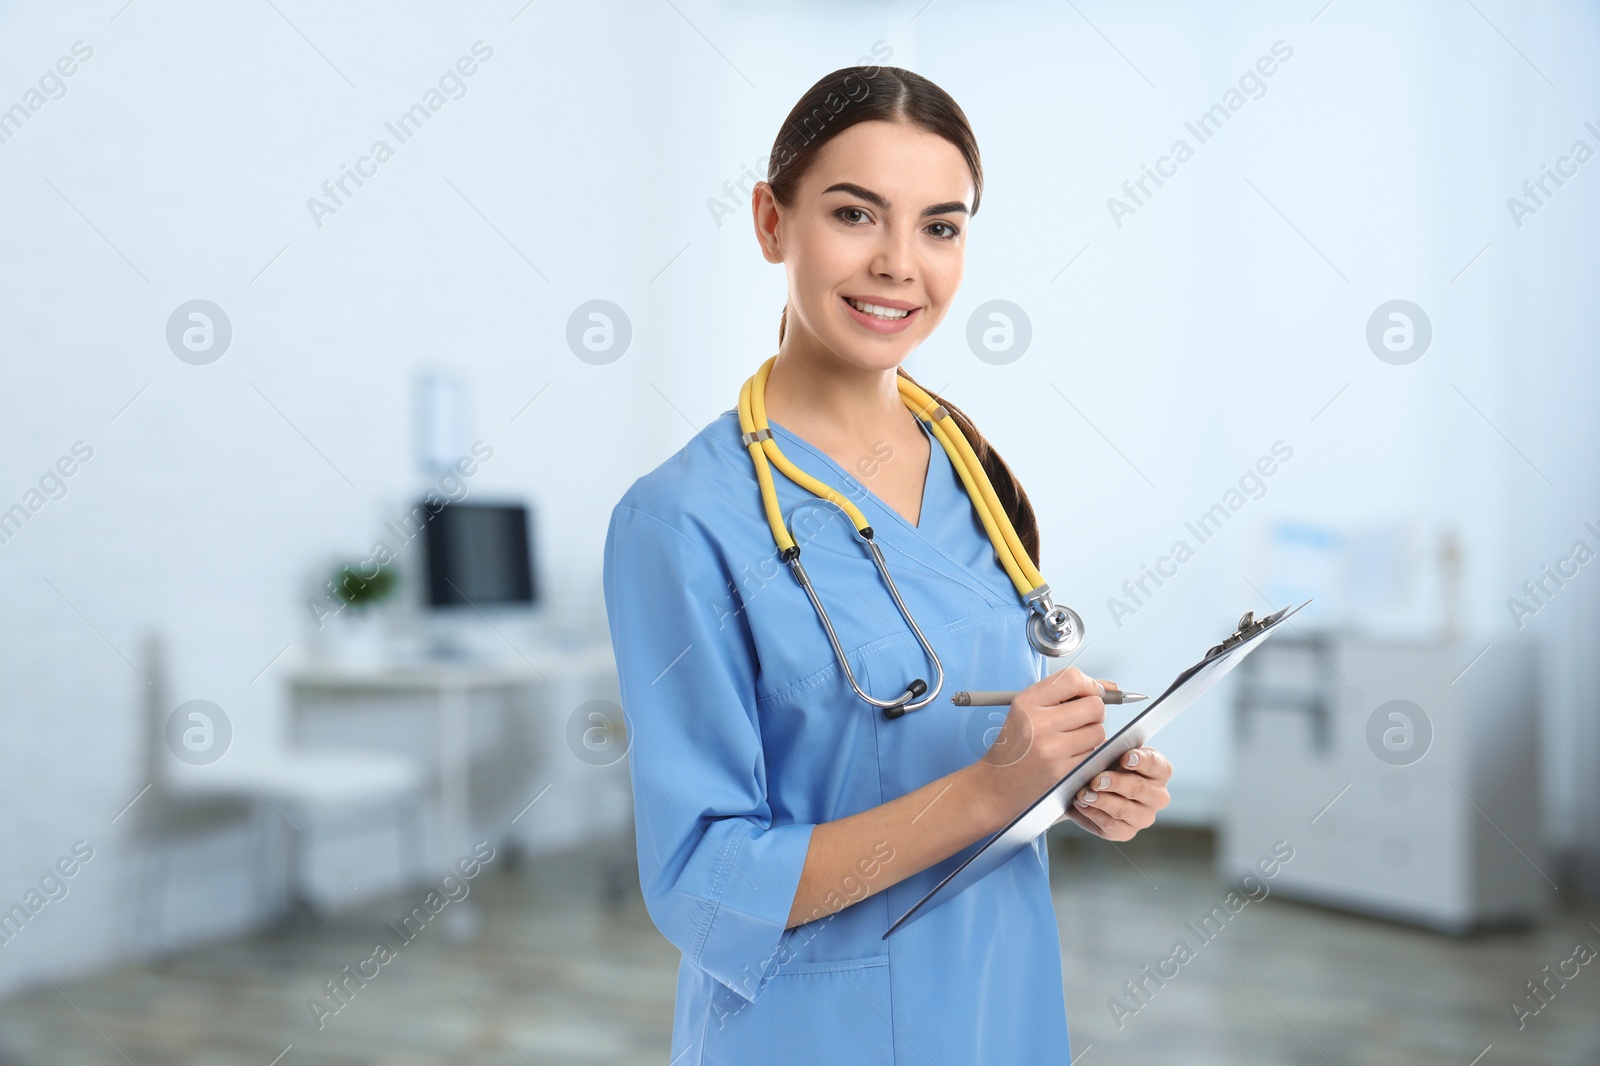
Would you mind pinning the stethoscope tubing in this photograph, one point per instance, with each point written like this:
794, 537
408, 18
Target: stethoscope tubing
906, 701
1052, 629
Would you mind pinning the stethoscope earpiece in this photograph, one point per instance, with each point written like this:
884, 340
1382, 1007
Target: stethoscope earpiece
913, 690
908, 701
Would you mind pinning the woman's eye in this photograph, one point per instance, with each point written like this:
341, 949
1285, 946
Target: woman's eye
855, 216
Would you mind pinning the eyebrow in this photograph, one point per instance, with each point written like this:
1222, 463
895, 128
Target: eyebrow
876, 200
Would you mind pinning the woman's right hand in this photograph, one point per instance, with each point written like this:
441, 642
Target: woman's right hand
1051, 726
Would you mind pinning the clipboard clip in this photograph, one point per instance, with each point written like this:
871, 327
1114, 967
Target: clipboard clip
1249, 626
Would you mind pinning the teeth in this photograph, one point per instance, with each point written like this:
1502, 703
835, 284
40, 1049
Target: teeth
876, 311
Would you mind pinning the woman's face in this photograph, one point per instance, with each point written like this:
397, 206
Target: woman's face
880, 218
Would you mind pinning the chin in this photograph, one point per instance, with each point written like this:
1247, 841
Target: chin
875, 352
881, 356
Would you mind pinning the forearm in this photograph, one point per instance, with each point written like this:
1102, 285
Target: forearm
855, 857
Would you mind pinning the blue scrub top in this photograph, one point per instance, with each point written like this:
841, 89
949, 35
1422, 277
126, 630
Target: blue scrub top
745, 735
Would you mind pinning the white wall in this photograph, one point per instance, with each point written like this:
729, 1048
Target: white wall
178, 166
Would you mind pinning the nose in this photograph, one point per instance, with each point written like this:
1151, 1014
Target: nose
896, 258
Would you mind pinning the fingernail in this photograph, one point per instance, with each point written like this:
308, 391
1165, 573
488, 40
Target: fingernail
1105, 782
1100, 687
1087, 798
1133, 758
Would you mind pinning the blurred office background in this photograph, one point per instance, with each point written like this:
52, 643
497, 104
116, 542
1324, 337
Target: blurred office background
1345, 348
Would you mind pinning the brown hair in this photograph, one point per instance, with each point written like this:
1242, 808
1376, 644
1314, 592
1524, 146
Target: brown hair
892, 94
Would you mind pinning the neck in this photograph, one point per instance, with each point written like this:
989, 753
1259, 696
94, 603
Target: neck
810, 388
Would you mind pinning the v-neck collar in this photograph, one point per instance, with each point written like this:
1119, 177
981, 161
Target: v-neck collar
855, 483
910, 540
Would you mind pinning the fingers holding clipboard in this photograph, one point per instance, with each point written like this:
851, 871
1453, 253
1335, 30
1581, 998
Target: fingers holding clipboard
1184, 690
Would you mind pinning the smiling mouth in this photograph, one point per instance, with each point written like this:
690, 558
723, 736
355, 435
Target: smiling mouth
887, 314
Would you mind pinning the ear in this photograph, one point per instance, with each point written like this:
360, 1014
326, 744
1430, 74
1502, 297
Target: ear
765, 212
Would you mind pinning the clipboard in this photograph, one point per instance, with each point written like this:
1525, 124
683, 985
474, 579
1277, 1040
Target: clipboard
1025, 827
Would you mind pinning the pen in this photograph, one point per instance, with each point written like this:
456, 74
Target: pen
1001, 699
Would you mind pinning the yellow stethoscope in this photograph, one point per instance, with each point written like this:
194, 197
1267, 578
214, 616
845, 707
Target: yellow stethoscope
1052, 629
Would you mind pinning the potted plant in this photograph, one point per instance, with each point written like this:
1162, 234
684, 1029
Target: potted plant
359, 588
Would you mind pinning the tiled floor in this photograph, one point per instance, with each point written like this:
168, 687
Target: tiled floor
557, 979
1290, 983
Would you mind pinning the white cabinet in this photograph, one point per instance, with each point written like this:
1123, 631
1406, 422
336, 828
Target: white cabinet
1404, 775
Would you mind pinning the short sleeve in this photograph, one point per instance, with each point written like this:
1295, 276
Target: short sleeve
718, 877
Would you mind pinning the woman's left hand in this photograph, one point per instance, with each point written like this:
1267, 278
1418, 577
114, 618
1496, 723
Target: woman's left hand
1121, 802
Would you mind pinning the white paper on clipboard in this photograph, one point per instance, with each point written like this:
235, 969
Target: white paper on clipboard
1184, 690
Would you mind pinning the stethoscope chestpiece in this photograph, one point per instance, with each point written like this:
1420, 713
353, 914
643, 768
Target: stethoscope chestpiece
913, 690
1053, 629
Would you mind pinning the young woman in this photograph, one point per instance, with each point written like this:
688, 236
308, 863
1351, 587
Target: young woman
783, 821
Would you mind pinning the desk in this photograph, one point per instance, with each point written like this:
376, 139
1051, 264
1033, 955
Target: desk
451, 684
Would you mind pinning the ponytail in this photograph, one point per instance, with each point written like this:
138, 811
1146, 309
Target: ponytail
1006, 486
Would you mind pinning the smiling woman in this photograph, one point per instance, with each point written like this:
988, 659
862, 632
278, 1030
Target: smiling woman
905, 111
788, 808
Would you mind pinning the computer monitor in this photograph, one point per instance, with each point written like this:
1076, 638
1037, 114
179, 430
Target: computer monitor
480, 555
